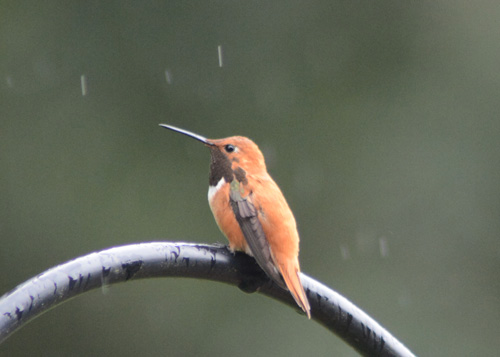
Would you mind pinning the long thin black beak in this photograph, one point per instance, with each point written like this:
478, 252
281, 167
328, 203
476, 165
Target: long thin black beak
188, 133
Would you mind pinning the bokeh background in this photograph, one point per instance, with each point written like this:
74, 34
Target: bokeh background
379, 120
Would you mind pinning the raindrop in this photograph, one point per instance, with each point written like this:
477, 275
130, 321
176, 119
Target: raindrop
9, 81
345, 252
168, 76
83, 83
105, 288
219, 50
383, 247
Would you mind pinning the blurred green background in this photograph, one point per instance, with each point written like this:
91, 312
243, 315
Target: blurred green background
379, 120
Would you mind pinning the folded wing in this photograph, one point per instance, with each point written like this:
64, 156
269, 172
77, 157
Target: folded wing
247, 217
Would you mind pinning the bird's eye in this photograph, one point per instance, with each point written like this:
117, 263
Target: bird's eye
229, 148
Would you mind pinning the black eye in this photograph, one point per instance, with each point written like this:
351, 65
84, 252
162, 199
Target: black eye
229, 148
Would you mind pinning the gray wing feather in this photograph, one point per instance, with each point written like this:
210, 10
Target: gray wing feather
247, 217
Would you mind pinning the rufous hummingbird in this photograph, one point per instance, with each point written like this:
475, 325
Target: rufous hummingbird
251, 211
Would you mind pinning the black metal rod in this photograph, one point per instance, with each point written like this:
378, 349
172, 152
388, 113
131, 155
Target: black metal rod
202, 261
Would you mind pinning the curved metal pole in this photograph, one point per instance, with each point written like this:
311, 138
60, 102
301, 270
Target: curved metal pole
202, 261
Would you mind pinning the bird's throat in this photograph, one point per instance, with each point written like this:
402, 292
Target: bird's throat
220, 167
212, 190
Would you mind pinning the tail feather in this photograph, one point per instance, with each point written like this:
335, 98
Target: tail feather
290, 274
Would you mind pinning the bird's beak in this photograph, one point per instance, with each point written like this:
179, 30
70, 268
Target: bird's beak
188, 133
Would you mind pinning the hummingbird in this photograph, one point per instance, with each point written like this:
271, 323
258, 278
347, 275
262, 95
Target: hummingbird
251, 211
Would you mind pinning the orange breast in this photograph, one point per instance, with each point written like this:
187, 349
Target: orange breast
226, 220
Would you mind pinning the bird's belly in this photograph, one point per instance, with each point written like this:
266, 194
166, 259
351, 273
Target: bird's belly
218, 199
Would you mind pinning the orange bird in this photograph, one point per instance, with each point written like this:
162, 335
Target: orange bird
251, 211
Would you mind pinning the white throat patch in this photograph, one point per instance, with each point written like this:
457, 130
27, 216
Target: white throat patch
212, 190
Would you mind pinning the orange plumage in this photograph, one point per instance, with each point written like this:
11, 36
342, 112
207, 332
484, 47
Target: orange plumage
251, 211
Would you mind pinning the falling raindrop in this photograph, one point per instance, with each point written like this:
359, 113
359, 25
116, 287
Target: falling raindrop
168, 76
383, 247
83, 83
344, 252
219, 50
9, 81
